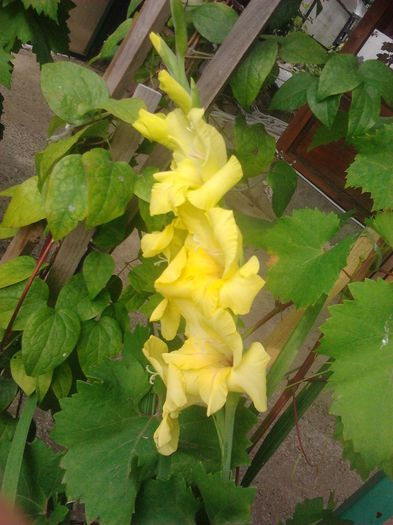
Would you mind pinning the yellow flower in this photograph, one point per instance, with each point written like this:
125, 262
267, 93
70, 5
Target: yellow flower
175, 91
203, 372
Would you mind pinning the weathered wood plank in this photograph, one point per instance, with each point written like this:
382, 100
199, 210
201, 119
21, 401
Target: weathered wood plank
244, 32
23, 241
120, 74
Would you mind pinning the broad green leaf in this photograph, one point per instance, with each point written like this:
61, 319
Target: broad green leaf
119, 312
99, 340
364, 110
8, 390
46, 159
26, 206
254, 147
356, 461
153, 222
293, 93
65, 194
73, 92
252, 72
383, 224
16, 270
97, 270
36, 297
305, 268
339, 75
284, 13
225, 502
74, 295
178, 505
214, 21
5, 68
48, 339
378, 75
142, 276
180, 26
114, 287
62, 380
54, 124
125, 109
26, 382
325, 110
46, 7
253, 229
325, 135
372, 168
144, 183
111, 44
299, 48
106, 438
112, 233
313, 512
282, 179
358, 336
110, 186
7, 233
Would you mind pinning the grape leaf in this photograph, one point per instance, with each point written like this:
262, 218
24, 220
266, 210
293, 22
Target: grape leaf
125, 109
282, 179
299, 48
364, 110
65, 194
305, 269
339, 75
73, 92
99, 340
48, 338
356, 461
178, 506
97, 270
252, 72
16, 270
358, 336
107, 439
313, 512
383, 224
293, 93
253, 229
254, 147
26, 206
325, 110
378, 75
5, 68
214, 21
46, 7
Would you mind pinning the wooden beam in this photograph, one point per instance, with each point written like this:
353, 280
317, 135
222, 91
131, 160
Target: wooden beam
23, 242
241, 37
134, 49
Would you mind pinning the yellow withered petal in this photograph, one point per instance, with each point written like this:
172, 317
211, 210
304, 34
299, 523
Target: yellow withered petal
212, 191
249, 377
175, 91
166, 436
239, 291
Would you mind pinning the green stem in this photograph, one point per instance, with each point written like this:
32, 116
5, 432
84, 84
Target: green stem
229, 423
15, 456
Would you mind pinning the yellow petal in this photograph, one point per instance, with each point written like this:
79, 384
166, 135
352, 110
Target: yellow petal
228, 237
217, 186
153, 350
175, 91
174, 269
154, 127
249, 377
214, 388
170, 321
166, 436
240, 290
193, 355
176, 397
156, 242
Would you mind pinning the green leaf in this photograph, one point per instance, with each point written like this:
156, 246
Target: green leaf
364, 110
339, 75
73, 92
356, 461
99, 340
214, 21
7, 233
325, 135
282, 179
74, 295
378, 75
62, 380
142, 276
111, 44
180, 26
225, 503
110, 186
65, 193
178, 505
383, 224
26, 382
46, 7
8, 390
105, 444
253, 229
254, 147
312, 512
5, 68
26, 206
144, 183
97, 270
372, 171
299, 48
293, 93
16, 270
283, 14
325, 110
54, 124
110, 234
305, 268
252, 72
134, 4
358, 336
125, 109
48, 339
46, 159
36, 298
